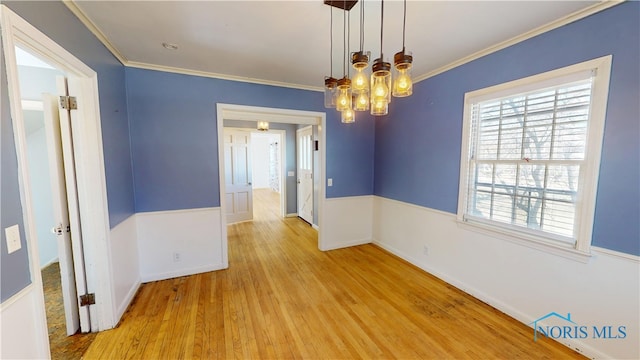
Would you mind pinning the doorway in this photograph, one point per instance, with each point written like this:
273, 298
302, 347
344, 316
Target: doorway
255, 161
230, 112
89, 175
52, 178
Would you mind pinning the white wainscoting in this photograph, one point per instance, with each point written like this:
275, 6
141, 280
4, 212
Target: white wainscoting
347, 221
520, 281
194, 234
126, 264
24, 331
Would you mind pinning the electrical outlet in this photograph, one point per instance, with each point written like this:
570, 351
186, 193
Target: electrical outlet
425, 250
176, 257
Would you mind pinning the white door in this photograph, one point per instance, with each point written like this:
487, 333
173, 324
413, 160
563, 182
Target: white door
65, 213
237, 162
61, 213
304, 143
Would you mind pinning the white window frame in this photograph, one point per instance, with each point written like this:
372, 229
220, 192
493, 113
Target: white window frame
585, 205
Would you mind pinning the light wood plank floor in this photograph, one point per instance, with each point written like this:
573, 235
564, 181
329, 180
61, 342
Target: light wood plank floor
282, 298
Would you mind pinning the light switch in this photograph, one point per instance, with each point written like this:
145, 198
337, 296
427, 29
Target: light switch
291, 173
329, 182
13, 238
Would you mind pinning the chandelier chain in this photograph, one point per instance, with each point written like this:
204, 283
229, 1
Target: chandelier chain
344, 40
331, 41
361, 25
381, 26
404, 24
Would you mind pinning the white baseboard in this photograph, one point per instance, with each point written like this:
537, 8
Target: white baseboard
183, 272
604, 291
193, 235
347, 221
291, 215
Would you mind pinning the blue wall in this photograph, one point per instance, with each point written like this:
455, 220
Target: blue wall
174, 137
14, 268
55, 20
418, 145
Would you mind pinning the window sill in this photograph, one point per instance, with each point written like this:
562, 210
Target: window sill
524, 239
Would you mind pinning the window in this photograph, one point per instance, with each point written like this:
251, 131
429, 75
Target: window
531, 155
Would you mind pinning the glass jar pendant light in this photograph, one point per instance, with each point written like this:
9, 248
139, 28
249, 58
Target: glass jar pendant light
330, 91
402, 84
330, 83
343, 101
380, 87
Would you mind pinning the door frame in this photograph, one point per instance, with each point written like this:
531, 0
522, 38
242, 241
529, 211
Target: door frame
275, 115
90, 170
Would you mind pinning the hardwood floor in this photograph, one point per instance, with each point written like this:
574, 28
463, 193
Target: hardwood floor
62, 346
282, 298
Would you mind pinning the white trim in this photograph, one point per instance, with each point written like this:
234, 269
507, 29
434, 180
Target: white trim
291, 215
17, 297
95, 30
585, 206
207, 74
90, 175
314, 226
616, 254
179, 211
580, 14
183, 272
276, 115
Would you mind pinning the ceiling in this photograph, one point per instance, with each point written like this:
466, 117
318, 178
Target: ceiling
288, 42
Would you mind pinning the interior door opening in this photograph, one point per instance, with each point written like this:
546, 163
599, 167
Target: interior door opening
54, 200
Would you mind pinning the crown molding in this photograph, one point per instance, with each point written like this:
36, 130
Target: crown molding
71, 5
580, 14
171, 69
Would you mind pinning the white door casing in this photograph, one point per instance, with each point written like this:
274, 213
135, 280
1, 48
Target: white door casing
90, 169
304, 146
237, 162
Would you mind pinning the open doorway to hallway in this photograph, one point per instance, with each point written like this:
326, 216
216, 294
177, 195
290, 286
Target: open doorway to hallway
53, 194
282, 160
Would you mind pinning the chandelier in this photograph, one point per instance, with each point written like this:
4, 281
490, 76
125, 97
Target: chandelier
363, 92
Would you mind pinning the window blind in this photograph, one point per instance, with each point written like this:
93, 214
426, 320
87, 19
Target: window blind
526, 155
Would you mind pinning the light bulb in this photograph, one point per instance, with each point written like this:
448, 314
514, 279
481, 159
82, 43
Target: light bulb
359, 81
379, 108
380, 91
403, 86
348, 116
362, 102
342, 101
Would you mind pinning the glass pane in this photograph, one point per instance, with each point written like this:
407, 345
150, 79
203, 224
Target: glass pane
559, 218
502, 208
